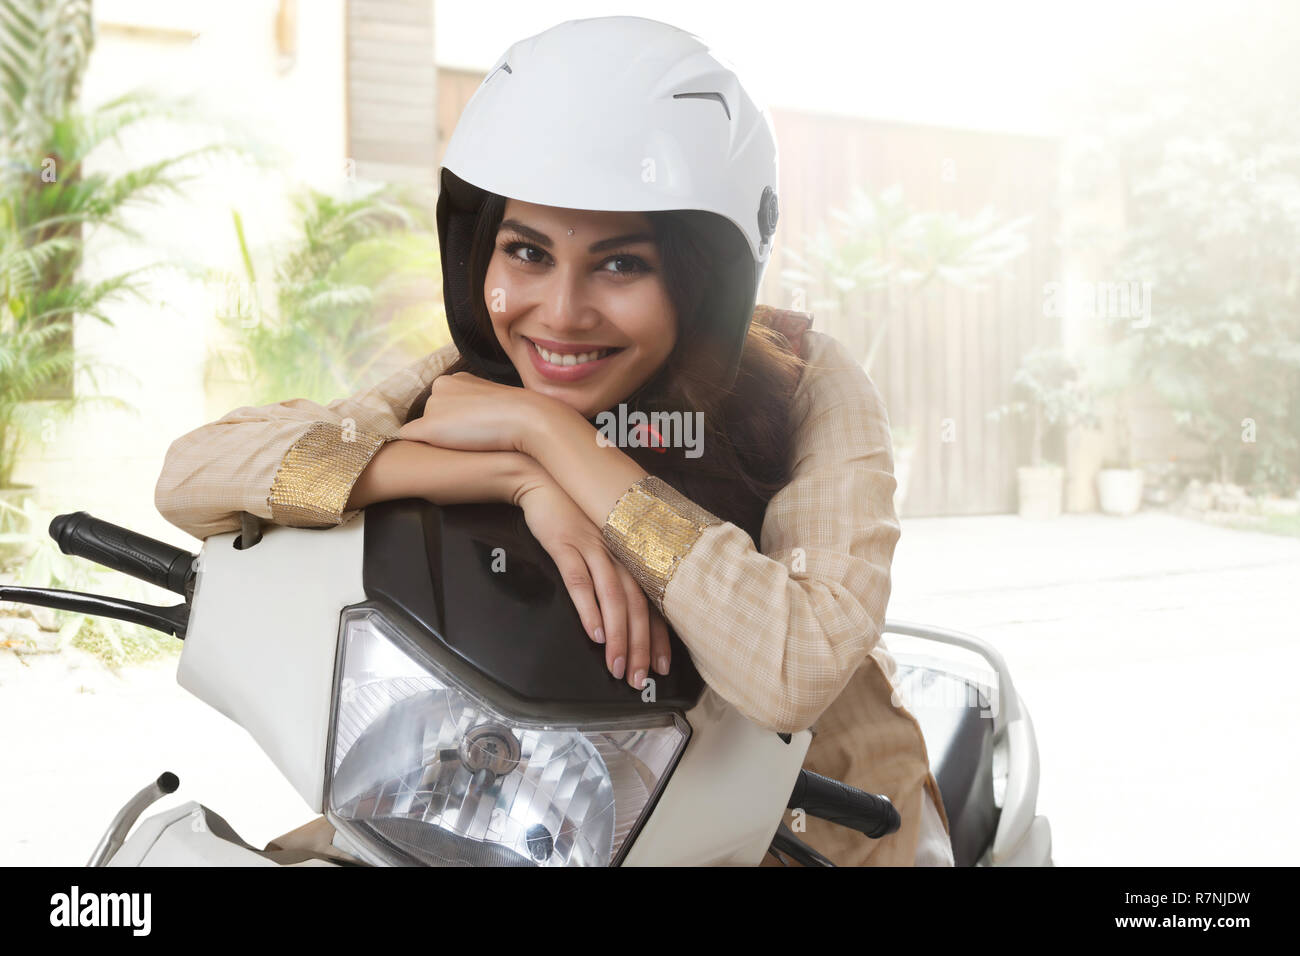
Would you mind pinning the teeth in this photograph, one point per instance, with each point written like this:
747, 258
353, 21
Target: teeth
558, 358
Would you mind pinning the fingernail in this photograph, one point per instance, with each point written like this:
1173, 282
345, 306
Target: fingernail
618, 667
662, 665
638, 680
600, 635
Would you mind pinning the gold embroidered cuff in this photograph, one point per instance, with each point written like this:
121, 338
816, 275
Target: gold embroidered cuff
316, 475
650, 529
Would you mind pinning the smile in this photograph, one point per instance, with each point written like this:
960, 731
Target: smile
568, 366
571, 358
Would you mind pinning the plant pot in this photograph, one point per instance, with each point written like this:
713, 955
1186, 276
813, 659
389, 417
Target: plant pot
1120, 490
1040, 490
10, 523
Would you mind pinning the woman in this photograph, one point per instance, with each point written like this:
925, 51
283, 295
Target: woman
606, 211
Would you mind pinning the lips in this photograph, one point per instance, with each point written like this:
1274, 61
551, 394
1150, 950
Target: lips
571, 358
568, 362
565, 348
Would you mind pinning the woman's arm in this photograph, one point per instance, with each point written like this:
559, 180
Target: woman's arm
296, 462
778, 633
595, 475
412, 469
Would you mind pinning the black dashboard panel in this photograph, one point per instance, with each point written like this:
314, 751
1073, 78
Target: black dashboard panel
474, 579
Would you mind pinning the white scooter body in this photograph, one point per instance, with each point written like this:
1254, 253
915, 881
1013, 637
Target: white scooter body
261, 648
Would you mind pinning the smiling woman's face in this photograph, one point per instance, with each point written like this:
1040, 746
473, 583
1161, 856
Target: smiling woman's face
579, 303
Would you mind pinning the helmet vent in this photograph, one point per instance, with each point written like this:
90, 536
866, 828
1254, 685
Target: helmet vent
706, 96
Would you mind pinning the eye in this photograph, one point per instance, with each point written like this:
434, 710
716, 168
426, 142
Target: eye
513, 250
620, 264
632, 265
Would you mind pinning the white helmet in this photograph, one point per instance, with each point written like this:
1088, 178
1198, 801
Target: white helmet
618, 114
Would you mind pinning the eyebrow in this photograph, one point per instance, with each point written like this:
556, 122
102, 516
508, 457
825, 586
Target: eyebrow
544, 240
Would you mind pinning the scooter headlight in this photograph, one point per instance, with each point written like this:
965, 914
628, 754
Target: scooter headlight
425, 771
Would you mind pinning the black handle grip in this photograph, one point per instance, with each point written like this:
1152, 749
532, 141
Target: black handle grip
123, 550
827, 799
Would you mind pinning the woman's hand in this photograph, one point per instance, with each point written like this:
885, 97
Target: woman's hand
613, 608
468, 413
473, 414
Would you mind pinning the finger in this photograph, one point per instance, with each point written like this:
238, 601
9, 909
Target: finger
582, 590
661, 650
613, 608
638, 639
420, 429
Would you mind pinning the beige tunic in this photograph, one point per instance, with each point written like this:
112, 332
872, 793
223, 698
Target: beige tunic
790, 635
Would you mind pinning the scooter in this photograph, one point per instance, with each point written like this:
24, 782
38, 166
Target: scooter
421, 677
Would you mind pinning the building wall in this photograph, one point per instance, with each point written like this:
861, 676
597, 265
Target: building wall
392, 83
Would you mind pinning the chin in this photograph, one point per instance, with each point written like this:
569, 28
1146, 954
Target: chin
578, 406
566, 396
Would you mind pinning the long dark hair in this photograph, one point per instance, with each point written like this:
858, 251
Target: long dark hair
748, 428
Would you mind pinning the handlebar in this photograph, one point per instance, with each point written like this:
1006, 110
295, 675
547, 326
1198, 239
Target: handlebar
828, 799
123, 550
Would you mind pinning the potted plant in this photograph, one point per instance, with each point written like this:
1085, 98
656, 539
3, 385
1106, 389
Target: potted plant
1050, 393
353, 290
49, 203
1119, 483
1117, 367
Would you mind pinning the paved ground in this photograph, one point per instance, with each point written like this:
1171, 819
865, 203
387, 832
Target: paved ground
77, 742
1156, 656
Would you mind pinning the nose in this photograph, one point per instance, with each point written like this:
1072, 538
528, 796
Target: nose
567, 311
